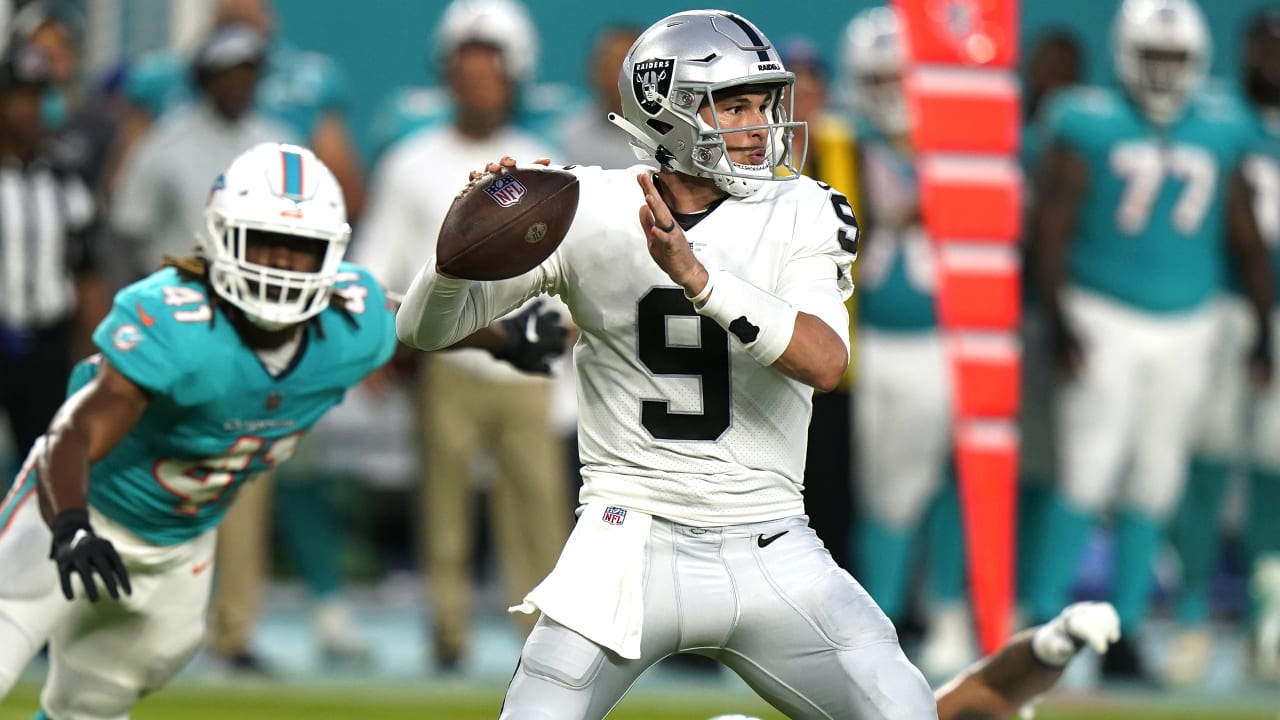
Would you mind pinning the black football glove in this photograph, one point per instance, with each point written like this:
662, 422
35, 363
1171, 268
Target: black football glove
533, 339
77, 550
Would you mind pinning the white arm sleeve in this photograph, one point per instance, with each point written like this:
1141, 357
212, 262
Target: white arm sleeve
439, 311
809, 284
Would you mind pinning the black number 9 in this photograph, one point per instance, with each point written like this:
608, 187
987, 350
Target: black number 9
709, 362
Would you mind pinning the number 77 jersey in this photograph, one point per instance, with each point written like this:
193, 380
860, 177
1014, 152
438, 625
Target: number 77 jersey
1152, 220
676, 419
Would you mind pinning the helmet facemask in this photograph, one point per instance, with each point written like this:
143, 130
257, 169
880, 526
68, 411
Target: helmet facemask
272, 298
1165, 79
274, 196
712, 155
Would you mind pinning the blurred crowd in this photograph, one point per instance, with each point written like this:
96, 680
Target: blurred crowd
1148, 427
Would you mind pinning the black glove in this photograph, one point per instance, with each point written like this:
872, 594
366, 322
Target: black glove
77, 550
533, 339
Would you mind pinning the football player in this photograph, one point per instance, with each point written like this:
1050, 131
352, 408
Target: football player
209, 372
1242, 415
1029, 664
705, 325
1137, 192
903, 426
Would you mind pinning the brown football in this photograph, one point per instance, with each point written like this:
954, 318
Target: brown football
507, 223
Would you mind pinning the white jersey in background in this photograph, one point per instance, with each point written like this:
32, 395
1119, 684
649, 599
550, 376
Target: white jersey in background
676, 419
411, 192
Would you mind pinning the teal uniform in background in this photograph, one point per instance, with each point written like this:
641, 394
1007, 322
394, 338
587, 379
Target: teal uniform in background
1195, 530
216, 416
897, 299
298, 88
1150, 238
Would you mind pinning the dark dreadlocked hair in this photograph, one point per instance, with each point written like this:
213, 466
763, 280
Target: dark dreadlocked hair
195, 268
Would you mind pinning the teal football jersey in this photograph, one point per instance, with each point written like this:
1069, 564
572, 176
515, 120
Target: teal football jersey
1152, 224
896, 275
215, 415
298, 89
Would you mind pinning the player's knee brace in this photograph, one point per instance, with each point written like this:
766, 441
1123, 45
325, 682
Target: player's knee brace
561, 655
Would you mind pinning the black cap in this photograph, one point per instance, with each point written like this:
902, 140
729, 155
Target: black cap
24, 67
229, 46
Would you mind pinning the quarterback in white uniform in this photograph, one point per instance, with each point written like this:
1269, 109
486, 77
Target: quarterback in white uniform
705, 325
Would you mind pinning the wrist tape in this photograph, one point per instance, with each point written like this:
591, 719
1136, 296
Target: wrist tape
762, 321
1052, 645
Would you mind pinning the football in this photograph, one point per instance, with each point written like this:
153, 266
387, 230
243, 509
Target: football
505, 224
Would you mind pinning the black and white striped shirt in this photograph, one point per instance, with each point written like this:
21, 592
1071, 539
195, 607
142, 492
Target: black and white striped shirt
47, 221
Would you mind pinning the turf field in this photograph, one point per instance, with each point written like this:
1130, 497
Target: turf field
328, 702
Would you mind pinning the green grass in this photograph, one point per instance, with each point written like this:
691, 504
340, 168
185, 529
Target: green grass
405, 702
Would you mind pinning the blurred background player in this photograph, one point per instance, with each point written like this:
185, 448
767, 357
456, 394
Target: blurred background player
903, 425
303, 90
1236, 439
538, 108
160, 196
51, 292
1131, 323
586, 137
1055, 62
468, 403
210, 371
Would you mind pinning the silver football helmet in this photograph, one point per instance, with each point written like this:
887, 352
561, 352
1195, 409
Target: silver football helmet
679, 65
1162, 54
874, 57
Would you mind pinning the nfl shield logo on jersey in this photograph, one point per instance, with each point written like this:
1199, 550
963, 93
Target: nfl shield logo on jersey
505, 190
614, 515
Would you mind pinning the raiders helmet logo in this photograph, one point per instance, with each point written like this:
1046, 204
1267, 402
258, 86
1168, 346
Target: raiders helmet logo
651, 80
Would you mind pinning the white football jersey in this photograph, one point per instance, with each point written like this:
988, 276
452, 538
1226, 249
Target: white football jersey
676, 419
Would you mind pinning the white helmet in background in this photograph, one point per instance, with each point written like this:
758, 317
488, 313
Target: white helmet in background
1161, 52
504, 24
873, 56
274, 189
683, 62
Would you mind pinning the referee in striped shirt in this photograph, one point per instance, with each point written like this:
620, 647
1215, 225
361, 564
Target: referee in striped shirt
50, 295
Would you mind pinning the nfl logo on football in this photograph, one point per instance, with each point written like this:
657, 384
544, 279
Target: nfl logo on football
506, 191
614, 515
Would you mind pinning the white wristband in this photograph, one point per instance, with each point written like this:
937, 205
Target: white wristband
762, 321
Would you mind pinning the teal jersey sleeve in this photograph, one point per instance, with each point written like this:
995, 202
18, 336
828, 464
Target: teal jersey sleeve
158, 82
363, 336
82, 373
155, 335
